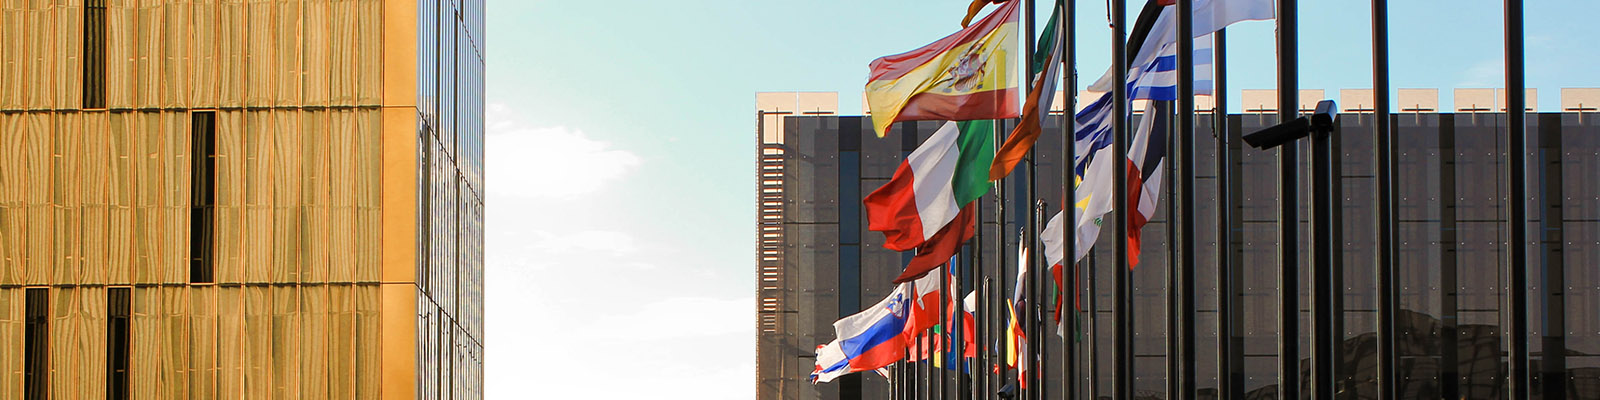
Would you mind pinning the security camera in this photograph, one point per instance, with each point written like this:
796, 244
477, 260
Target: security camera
1321, 121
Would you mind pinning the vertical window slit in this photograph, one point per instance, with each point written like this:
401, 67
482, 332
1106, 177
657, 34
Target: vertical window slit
36, 381
94, 54
203, 187
118, 305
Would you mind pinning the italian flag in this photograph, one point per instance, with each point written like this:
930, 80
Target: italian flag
944, 174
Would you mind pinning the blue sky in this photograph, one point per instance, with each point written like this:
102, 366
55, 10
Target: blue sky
621, 186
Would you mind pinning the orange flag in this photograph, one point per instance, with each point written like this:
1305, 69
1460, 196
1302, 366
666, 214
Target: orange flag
974, 8
1027, 131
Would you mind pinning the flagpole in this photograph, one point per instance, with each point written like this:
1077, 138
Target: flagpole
966, 383
992, 369
1288, 205
1388, 376
1025, 318
923, 383
897, 387
1040, 353
944, 327
1230, 359
1122, 355
1000, 258
1065, 40
1165, 112
1186, 220
980, 371
1517, 175
989, 367
1092, 339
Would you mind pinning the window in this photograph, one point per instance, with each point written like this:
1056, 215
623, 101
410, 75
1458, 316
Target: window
117, 301
36, 368
94, 54
203, 186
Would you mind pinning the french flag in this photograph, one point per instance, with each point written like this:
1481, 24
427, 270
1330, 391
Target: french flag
866, 341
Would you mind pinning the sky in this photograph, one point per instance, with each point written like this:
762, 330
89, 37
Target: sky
621, 183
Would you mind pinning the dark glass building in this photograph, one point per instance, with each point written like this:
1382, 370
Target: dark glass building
820, 263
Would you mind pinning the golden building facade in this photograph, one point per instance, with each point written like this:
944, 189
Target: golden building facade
241, 199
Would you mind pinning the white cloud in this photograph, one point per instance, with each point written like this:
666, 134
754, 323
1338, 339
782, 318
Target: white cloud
549, 162
583, 288
688, 317
1484, 74
592, 241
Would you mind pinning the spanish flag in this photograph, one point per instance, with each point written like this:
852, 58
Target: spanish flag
965, 76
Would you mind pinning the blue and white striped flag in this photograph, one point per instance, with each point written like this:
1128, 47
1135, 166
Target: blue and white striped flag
1152, 76
1158, 79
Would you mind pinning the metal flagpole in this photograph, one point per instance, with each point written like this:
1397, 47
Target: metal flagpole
1122, 354
1387, 268
1038, 370
929, 378
1092, 339
979, 369
898, 387
1024, 317
944, 327
1165, 110
964, 366
916, 389
924, 383
1000, 258
1288, 206
1517, 177
1230, 355
987, 370
1186, 214
1324, 284
1065, 40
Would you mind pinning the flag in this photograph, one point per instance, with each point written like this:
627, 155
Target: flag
1017, 343
965, 76
1026, 133
1147, 39
972, 10
960, 317
1146, 156
1017, 346
927, 349
923, 311
968, 330
1052, 238
1158, 79
930, 187
866, 341
942, 246
1152, 76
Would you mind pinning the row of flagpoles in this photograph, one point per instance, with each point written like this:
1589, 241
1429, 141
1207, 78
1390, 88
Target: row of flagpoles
942, 313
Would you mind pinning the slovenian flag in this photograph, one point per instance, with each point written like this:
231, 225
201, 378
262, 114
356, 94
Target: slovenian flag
866, 341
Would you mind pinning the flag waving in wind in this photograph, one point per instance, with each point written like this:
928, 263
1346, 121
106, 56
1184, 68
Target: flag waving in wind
1017, 339
922, 312
1151, 76
868, 340
927, 205
1026, 133
965, 76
